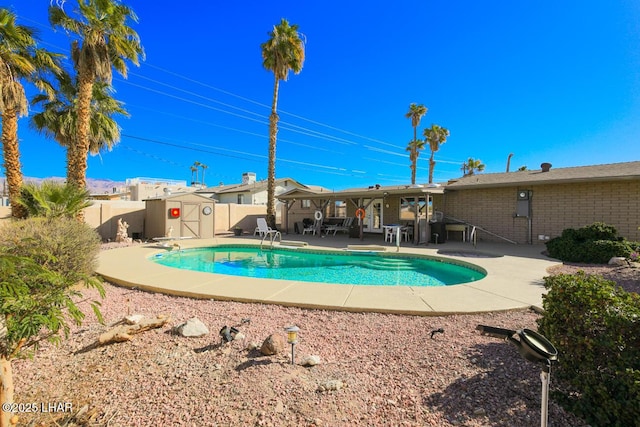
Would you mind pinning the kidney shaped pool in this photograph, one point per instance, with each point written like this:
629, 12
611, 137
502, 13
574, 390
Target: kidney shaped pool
350, 268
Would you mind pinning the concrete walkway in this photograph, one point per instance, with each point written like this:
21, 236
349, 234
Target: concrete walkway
514, 279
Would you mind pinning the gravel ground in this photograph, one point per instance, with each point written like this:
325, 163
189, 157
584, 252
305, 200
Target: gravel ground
386, 370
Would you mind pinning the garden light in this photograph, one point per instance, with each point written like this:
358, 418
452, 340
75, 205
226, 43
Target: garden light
292, 338
535, 348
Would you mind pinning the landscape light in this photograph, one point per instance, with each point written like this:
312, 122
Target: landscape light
533, 347
292, 338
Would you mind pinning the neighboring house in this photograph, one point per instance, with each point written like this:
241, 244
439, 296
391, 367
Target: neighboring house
148, 188
535, 205
251, 192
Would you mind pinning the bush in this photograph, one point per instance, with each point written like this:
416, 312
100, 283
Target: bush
596, 244
61, 245
596, 327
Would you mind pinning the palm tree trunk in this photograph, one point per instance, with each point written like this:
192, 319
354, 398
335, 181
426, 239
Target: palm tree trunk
432, 164
6, 390
271, 172
77, 172
12, 167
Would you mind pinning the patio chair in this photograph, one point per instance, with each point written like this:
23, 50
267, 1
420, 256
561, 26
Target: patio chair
266, 231
344, 226
317, 225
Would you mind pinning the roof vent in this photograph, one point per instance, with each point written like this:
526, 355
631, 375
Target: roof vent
545, 167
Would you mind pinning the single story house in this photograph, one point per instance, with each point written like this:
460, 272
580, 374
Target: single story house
523, 207
533, 206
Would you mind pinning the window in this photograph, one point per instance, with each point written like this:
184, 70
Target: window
306, 204
240, 199
407, 208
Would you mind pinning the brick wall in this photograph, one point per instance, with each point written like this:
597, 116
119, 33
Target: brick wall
554, 208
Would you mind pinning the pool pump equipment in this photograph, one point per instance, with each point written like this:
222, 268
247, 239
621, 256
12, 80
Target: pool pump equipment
533, 347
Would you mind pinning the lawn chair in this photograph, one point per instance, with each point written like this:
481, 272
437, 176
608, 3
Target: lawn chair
344, 226
266, 231
317, 226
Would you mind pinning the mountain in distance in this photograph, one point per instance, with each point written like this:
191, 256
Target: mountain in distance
96, 186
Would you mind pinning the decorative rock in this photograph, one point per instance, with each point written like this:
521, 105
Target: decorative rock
618, 260
239, 337
192, 328
310, 361
274, 344
478, 412
134, 319
331, 385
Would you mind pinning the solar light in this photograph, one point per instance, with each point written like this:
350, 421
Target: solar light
174, 213
535, 348
292, 338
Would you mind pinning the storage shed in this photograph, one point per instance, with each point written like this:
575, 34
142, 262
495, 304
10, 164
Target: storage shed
185, 214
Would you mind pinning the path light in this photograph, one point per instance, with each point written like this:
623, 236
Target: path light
292, 338
535, 348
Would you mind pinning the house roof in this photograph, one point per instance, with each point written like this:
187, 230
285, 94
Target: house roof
374, 191
607, 172
245, 188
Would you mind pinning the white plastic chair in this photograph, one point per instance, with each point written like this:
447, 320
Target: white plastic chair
266, 231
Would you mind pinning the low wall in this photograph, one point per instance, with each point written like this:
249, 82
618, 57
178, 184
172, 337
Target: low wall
103, 215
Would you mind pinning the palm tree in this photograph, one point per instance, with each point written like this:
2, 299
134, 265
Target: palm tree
471, 166
58, 118
20, 59
195, 167
283, 52
414, 147
415, 113
435, 136
52, 199
103, 40
203, 166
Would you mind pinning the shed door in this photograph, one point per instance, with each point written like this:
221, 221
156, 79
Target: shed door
190, 220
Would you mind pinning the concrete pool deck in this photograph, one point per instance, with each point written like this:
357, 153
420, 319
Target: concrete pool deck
514, 279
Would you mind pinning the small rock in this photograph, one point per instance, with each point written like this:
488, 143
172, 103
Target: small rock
192, 328
252, 346
133, 319
274, 344
310, 361
479, 412
618, 260
239, 336
331, 385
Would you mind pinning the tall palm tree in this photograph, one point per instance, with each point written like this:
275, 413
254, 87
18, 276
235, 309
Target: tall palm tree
58, 118
283, 52
203, 166
102, 40
415, 113
435, 136
414, 147
471, 166
20, 60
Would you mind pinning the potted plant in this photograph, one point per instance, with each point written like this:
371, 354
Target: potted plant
237, 231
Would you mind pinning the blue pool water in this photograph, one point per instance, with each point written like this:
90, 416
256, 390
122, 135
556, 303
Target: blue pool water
321, 266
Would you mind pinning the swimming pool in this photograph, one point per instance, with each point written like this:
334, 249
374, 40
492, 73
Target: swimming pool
323, 266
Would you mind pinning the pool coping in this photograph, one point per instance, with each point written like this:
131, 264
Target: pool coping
514, 281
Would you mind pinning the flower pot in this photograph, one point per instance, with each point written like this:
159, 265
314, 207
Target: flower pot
237, 231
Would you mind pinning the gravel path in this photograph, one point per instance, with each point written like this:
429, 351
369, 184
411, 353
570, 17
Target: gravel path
387, 369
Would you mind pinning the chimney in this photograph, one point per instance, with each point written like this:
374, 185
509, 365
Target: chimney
545, 167
249, 178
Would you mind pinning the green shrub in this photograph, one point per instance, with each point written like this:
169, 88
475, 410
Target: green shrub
596, 244
62, 245
596, 327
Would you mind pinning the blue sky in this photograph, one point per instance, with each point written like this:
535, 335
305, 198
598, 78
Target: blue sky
548, 81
